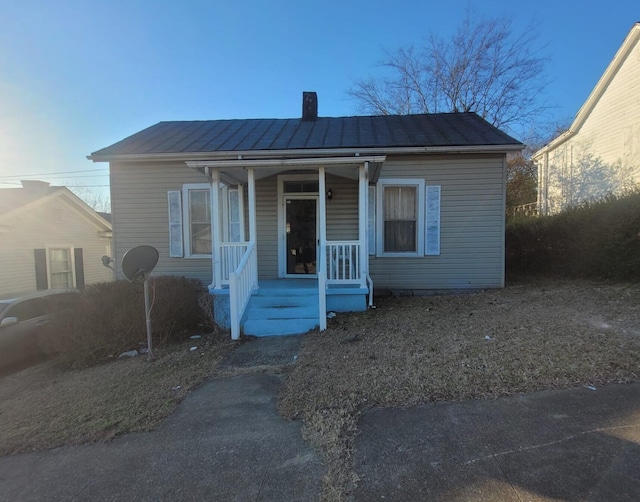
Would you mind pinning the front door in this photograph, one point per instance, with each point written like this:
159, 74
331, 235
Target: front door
301, 227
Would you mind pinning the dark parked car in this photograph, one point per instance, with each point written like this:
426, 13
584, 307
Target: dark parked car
24, 320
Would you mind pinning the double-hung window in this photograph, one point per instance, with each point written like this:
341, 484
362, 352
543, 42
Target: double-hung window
190, 219
60, 268
199, 226
400, 217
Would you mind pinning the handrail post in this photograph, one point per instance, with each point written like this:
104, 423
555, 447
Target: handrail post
233, 306
322, 299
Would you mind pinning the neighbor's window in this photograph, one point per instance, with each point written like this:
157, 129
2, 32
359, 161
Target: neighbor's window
60, 268
199, 221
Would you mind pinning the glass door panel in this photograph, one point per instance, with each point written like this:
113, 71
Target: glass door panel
301, 228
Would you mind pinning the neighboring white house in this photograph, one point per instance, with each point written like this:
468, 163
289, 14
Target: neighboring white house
269, 212
600, 153
50, 239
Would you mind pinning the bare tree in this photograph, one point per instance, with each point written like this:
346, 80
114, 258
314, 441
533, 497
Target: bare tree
97, 200
484, 67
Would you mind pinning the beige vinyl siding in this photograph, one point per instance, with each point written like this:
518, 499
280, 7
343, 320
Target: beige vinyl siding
618, 110
140, 213
471, 225
55, 223
342, 210
267, 223
609, 138
472, 220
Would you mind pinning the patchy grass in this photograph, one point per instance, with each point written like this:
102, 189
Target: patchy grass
51, 405
413, 350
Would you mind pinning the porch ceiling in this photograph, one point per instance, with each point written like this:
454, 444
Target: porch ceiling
234, 172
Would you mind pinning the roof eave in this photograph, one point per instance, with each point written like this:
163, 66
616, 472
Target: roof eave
316, 152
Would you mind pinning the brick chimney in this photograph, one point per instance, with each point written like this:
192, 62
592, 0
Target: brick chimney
309, 106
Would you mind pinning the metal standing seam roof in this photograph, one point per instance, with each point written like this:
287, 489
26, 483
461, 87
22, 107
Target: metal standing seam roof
383, 131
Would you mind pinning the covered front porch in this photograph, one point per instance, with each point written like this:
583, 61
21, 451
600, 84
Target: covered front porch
283, 276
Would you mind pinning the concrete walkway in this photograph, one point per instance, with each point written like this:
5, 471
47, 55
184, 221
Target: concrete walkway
225, 442
576, 444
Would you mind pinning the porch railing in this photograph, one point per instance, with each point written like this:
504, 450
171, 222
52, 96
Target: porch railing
343, 262
231, 253
242, 281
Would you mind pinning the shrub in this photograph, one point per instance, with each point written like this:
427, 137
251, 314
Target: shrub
596, 239
110, 318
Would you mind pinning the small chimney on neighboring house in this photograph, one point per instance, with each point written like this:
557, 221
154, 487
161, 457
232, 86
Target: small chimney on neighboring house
35, 186
309, 106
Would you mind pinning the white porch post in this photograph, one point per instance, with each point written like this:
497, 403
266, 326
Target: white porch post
322, 200
363, 192
252, 220
322, 251
216, 236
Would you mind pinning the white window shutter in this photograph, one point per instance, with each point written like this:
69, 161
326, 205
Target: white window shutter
371, 220
175, 224
432, 233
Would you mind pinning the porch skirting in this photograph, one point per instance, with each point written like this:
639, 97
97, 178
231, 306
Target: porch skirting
287, 306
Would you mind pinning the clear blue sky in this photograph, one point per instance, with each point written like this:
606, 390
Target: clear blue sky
79, 75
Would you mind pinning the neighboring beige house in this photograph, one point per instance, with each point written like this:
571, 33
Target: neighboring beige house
600, 153
292, 217
50, 239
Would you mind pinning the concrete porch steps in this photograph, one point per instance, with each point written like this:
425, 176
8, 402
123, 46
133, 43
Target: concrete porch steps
275, 311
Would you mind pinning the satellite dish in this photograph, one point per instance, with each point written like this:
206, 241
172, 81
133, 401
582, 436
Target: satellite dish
137, 263
139, 260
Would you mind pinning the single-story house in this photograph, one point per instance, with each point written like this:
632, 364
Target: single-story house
600, 153
50, 239
288, 218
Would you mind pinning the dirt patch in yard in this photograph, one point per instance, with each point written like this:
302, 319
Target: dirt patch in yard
411, 350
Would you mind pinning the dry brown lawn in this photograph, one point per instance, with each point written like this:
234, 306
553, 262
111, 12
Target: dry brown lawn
51, 405
410, 350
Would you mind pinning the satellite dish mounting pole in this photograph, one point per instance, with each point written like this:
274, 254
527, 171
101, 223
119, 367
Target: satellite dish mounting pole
137, 263
147, 311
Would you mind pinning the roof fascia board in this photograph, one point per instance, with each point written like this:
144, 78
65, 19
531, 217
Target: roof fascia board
302, 153
597, 92
257, 163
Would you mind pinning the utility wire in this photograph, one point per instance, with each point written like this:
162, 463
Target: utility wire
53, 173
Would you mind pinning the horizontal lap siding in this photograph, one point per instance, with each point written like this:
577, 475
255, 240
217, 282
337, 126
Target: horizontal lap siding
141, 216
471, 228
56, 223
472, 214
610, 133
617, 111
267, 223
342, 209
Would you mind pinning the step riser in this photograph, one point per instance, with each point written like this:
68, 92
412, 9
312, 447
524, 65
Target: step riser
276, 313
282, 313
279, 327
286, 292
283, 301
